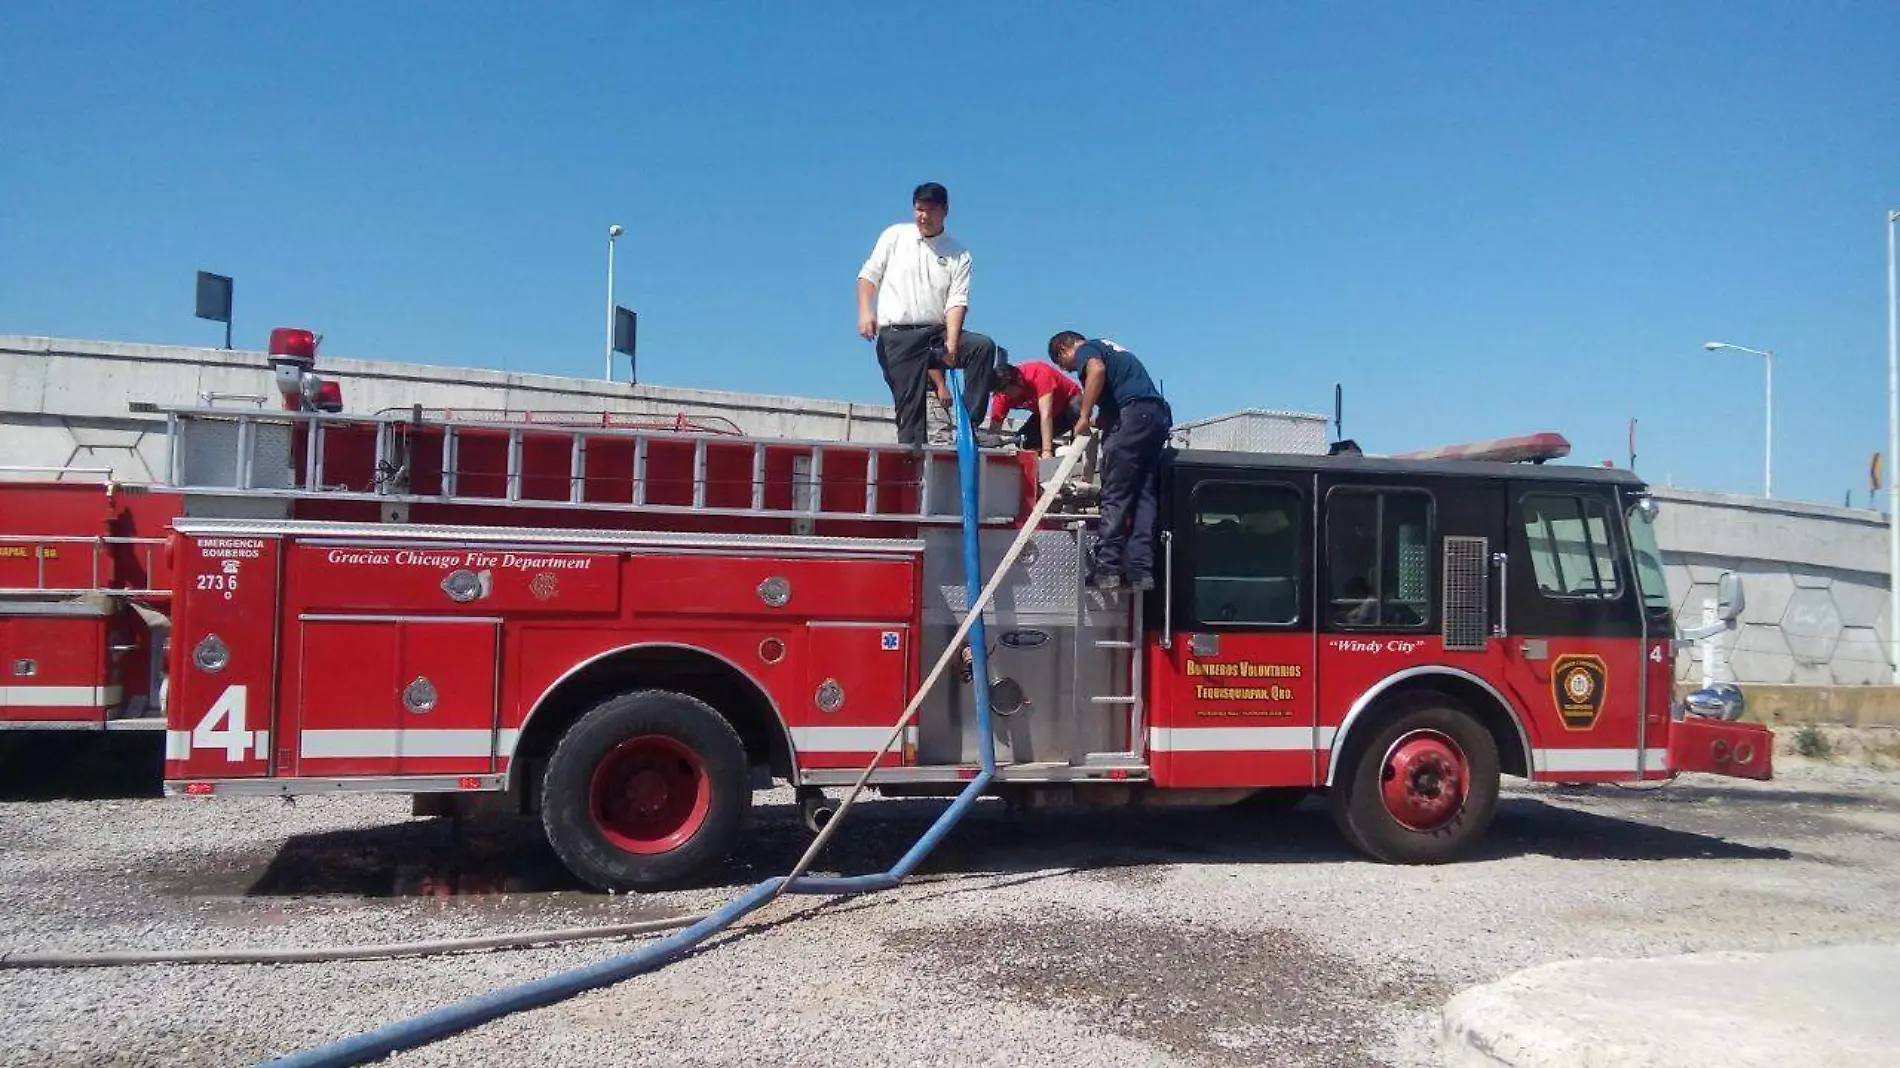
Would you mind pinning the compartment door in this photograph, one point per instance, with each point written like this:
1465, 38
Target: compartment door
857, 679
380, 697
53, 668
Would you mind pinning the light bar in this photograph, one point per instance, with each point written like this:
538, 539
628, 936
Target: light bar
1529, 448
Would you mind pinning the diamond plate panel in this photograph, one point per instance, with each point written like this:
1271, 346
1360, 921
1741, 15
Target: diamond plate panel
207, 453
1257, 430
270, 456
1041, 586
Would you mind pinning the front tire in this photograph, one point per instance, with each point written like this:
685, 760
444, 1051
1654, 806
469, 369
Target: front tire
648, 790
1422, 789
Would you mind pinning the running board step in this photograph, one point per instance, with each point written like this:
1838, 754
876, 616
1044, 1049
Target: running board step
1037, 771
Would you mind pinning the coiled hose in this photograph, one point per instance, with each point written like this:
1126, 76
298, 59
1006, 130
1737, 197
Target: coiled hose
452, 1019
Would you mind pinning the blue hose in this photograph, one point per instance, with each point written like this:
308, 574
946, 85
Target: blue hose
472, 1012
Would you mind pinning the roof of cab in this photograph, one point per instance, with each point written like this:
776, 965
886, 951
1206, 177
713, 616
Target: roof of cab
1379, 465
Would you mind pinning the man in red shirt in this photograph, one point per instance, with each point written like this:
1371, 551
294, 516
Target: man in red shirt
1051, 398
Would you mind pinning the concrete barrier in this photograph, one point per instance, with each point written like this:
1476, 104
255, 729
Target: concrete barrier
1816, 578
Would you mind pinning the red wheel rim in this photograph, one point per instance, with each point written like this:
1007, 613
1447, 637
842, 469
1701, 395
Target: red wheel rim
1424, 780
649, 794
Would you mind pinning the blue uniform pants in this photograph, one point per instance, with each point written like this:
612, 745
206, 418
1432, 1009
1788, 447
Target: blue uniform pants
1131, 488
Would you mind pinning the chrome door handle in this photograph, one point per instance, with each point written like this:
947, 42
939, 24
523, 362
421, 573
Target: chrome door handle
1503, 561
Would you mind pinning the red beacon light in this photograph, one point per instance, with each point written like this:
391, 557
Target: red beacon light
329, 396
293, 360
295, 343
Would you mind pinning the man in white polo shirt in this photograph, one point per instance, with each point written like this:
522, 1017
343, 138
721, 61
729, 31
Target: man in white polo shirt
913, 293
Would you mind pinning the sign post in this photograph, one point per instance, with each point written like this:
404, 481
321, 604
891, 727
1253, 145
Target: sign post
214, 301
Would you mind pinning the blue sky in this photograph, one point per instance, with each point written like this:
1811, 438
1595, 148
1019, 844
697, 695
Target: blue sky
1482, 219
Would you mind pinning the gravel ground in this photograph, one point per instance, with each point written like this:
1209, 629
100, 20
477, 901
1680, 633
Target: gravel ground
1073, 937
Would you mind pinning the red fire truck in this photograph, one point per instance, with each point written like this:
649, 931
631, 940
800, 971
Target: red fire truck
627, 630
84, 600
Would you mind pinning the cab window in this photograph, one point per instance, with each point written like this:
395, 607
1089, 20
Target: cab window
1569, 542
1378, 564
1246, 551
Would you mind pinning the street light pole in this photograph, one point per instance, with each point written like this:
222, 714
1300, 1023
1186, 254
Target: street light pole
1768, 449
613, 232
1893, 455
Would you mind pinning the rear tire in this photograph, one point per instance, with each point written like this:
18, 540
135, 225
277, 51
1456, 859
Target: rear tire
1420, 790
647, 790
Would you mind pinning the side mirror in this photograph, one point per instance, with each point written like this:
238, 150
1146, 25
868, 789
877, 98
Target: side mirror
1729, 598
1648, 507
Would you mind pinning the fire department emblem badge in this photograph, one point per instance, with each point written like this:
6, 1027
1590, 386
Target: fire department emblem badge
544, 586
1578, 683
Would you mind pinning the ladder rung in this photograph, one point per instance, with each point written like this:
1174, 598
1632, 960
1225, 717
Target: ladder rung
1114, 643
758, 477
449, 438
514, 465
699, 473
247, 449
317, 440
1117, 700
640, 470
923, 483
577, 470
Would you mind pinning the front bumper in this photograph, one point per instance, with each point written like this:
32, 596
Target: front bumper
1739, 750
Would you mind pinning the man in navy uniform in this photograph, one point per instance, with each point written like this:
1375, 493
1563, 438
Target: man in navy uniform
1135, 422
913, 292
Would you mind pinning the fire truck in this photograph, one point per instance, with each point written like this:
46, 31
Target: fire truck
626, 630
84, 600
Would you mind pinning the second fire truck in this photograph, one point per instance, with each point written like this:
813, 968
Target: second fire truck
628, 630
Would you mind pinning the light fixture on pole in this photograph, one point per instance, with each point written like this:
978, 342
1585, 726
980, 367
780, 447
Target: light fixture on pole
1893, 454
613, 232
1768, 449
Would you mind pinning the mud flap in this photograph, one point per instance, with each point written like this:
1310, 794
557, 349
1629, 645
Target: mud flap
1739, 750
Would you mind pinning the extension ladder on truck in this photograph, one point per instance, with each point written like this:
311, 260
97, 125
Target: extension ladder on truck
558, 460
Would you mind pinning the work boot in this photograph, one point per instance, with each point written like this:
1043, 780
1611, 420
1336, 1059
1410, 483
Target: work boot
1106, 581
1141, 583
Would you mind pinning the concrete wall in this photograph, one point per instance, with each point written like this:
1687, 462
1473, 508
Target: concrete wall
64, 402
1815, 578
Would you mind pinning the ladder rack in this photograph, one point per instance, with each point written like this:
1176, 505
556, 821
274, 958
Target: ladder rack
507, 460
57, 577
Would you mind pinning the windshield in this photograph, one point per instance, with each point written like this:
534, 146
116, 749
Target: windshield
1649, 569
